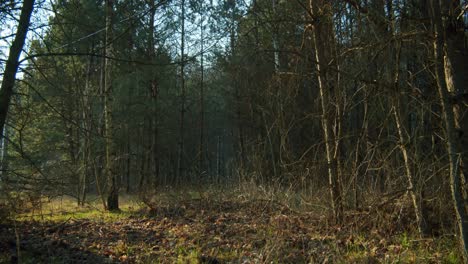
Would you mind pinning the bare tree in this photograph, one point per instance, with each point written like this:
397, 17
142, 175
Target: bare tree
180, 158
113, 192
322, 43
444, 79
12, 64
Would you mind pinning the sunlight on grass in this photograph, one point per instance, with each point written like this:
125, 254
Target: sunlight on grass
187, 255
404, 248
65, 208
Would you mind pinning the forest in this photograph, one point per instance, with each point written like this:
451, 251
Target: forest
234, 131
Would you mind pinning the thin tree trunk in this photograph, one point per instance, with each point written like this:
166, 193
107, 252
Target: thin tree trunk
128, 187
456, 79
154, 96
149, 153
180, 158
202, 100
270, 145
320, 57
143, 158
98, 161
86, 152
129, 162
218, 160
403, 145
234, 79
275, 39
12, 64
409, 175
4, 153
97, 175
113, 192
453, 147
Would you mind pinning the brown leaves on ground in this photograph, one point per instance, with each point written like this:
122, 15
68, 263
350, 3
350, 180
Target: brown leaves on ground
199, 231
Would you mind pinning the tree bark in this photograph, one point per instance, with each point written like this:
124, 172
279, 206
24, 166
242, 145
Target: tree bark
154, 153
321, 30
456, 79
275, 41
202, 98
112, 192
4, 154
237, 94
404, 141
180, 158
86, 126
12, 64
453, 141
128, 161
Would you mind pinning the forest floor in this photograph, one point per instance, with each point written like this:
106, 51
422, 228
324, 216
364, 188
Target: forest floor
206, 230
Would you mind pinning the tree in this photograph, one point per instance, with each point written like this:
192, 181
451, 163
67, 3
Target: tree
113, 190
181, 151
11, 67
445, 86
323, 42
202, 91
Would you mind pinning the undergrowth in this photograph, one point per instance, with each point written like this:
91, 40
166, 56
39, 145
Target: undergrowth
246, 225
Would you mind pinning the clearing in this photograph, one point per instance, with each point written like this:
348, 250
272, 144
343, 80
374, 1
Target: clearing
209, 230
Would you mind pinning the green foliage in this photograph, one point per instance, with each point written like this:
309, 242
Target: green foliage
452, 258
405, 242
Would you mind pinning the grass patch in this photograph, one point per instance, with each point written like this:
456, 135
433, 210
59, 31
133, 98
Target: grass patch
92, 214
65, 208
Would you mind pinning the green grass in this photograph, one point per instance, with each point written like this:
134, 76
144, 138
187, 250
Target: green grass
65, 208
403, 248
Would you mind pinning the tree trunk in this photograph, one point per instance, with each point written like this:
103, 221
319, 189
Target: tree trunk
113, 192
234, 80
319, 8
180, 158
86, 126
202, 99
218, 159
456, 76
444, 80
12, 64
4, 154
403, 145
129, 161
275, 38
154, 93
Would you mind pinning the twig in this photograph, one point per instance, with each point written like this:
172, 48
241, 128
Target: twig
17, 242
393, 196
